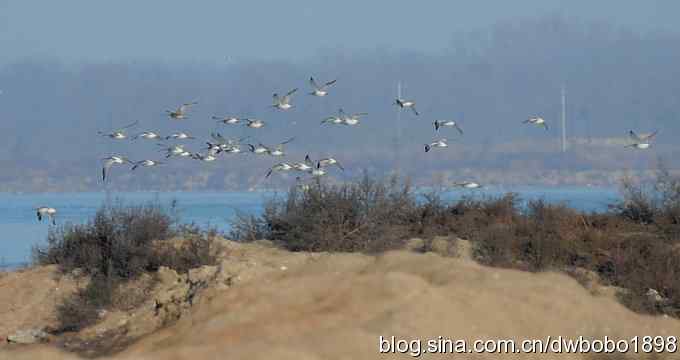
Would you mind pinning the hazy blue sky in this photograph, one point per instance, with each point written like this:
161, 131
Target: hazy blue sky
85, 30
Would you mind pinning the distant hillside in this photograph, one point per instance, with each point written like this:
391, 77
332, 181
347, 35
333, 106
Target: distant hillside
489, 81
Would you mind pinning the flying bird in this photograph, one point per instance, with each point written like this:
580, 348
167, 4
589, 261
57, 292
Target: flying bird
227, 120
113, 160
642, 141
642, 137
305, 165
258, 149
254, 123
227, 145
350, 120
406, 104
468, 185
214, 149
207, 158
148, 135
173, 150
146, 163
333, 120
318, 171
181, 112
278, 149
438, 124
536, 120
279, 167
441, 143
118, 134
328, 162
50, 212
320, 90
283, 102
233, 149
179, 136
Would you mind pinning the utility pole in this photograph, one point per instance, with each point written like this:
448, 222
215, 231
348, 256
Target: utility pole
564, 120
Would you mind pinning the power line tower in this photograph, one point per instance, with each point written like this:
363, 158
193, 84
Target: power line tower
564, 119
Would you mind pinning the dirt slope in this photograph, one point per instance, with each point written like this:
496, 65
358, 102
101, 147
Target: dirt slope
281, 305
28, 298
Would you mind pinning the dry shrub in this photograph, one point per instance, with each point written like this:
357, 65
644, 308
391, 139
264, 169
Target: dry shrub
367, 215
118, 245
117, 242
469, 217
191, 251
635, 245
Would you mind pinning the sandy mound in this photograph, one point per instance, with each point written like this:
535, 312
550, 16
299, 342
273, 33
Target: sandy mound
281, 305
28, 298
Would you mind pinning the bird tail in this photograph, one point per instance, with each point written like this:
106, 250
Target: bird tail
427, 148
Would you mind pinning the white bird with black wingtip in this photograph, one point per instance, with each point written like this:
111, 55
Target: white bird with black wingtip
406, 104
441, 143
179, 136
227, 120
258, 149
306, 165
318, 171
181, 112
352, 119
278, 149
46, 211
536, 120
283, 102
148, 135
113, 160
320, 90
328, 162
146, 163
279, 167
207, 157
118, 134
254, 123
468, 184
333, 120
641, 141
438, 124
173, 150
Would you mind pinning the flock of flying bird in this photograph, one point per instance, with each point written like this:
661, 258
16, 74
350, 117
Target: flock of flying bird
221, 145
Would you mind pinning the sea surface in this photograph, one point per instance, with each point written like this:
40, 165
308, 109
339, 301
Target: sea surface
20, 229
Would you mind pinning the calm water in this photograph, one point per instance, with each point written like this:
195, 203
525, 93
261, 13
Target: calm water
20, 230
